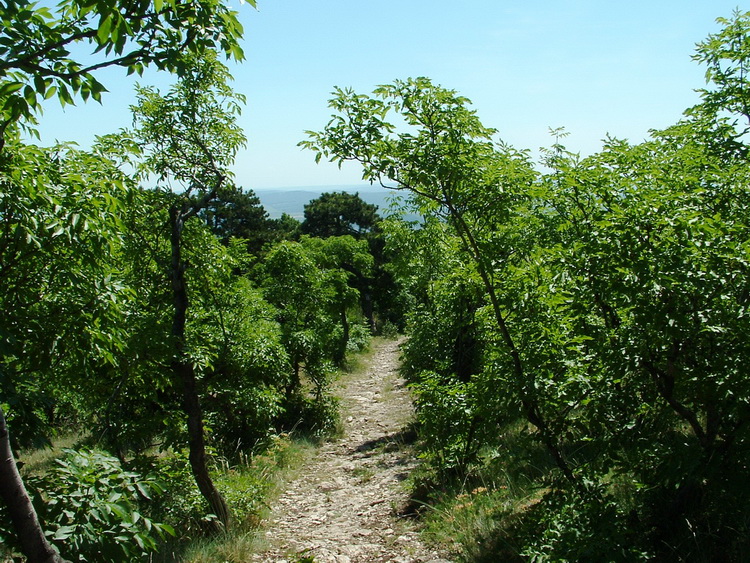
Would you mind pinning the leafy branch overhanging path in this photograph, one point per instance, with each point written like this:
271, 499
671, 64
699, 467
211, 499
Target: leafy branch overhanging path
343, 507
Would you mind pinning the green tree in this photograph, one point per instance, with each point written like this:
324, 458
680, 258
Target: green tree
190, 136
231, 336
612, 306
62, 296
235, 213
294, 284
247, 377
285, 227
443, 359
336, 214
451, 169
36, 63
726, 55
347, 265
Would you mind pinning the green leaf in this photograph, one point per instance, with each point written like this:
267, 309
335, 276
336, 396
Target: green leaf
10, 88
29, 95
105, 29
63, 532
121, 511
143, 489
40, 84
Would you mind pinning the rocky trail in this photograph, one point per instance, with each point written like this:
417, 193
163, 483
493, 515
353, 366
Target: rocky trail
344, 507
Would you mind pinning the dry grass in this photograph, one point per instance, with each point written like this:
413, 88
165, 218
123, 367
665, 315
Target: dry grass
41, 460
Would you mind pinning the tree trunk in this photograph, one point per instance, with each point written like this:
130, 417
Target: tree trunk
34, 545
341, 348
294, 381
368, 307
525, 379
184, 371
197, 445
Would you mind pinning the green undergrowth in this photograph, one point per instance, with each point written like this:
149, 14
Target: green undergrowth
511, 504
163, 517
505, 505
478, 513
98, 509
250, 489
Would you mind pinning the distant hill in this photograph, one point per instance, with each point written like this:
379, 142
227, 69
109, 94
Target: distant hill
292, 200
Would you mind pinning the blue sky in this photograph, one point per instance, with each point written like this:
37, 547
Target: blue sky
593, 67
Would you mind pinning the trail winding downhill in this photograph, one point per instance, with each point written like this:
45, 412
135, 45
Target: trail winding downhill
344, 506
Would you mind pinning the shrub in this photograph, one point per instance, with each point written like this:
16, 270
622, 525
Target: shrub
91, 508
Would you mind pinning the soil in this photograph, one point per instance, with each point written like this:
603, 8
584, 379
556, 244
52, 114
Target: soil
346, 505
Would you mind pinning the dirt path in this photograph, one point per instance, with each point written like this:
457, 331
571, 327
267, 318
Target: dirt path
343, 508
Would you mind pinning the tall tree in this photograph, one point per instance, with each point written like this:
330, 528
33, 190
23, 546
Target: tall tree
338, 214
296, 286
37, 63
347, 265
190, 137
60, 292
452, 169
613, 305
